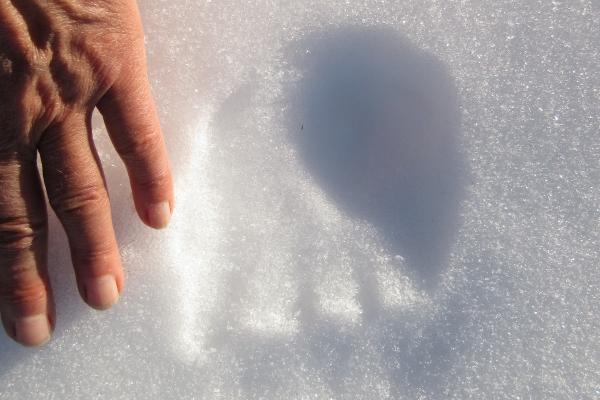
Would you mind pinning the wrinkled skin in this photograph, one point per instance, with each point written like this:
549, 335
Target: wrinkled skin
59, 59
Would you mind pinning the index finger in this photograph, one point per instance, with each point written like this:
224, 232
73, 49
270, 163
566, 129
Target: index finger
134, 129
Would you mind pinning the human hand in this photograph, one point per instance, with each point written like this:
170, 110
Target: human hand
59, 59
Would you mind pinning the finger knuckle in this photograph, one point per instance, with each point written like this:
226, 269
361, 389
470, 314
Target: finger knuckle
93, 256
141, 145
20, 234
79, 202
154, 182
22, 295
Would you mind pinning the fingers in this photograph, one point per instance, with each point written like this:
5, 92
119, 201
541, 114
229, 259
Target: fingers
26, 303
133, 126
78, 195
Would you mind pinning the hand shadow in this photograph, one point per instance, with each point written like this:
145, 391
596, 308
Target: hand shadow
378, 126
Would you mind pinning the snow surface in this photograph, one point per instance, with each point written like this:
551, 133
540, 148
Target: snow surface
374, 199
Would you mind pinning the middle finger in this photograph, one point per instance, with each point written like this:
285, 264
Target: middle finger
77, 193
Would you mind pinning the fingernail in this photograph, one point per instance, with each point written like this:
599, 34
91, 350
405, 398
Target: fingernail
102, 293
33, 331
159, 215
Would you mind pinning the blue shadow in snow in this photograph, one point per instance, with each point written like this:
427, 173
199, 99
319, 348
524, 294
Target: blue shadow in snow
379, 131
